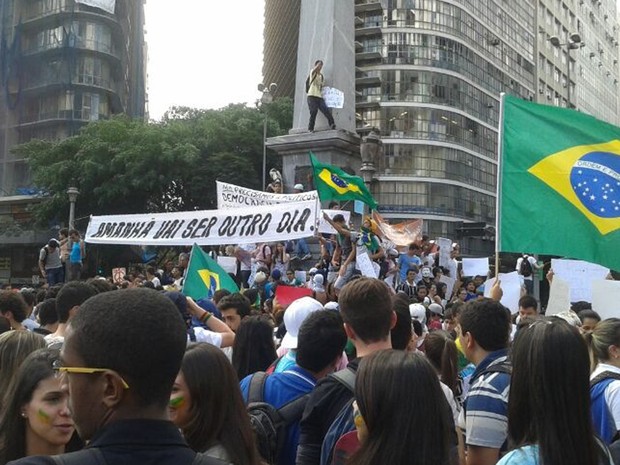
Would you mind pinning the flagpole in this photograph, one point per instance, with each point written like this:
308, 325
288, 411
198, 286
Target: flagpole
498, 209
189, 262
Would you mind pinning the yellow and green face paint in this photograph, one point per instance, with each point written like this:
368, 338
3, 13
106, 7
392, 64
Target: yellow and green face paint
177, 402
44, 417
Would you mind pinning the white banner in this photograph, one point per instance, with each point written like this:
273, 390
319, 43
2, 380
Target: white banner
325, 227
232, 196
268, 223
105, 5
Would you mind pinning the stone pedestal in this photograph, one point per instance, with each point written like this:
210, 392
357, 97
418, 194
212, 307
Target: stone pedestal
335, 147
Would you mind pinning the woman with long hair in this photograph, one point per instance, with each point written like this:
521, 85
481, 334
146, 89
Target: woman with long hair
604, 342
206, 404
549, 419
281, 258
15, 346
36, 420
392, 429
254, 348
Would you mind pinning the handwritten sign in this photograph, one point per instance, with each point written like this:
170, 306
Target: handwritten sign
232, 196
579, 275
333, 97
118, 274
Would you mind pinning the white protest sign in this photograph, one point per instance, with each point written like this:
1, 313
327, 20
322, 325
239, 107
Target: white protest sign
333, 97
579, 275
232, 196
267, 223
475, 266
325, 227
449, 282
606, 298
559, 296
118, 274
228, 264
366, 265
511, 287
301, 276
445, 247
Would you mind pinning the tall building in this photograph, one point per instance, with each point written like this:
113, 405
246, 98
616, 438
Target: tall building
65, 63
584, 34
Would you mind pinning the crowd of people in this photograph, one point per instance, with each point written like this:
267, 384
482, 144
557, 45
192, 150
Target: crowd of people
363, 371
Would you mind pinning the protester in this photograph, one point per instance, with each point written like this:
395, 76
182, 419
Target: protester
409, 261
366, 309
526, 266
50, 265
281, 258
528, 308
36, 419
484, 330
314, 86
234, 308
254, 349
549, 408
408, 284
77, 255
15, 346
321, 341
47, 316
13, 308
604, 342
589, 319
206, 405
391, 428
119, 381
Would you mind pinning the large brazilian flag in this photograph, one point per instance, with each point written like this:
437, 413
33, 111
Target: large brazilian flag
204, 276
559, 183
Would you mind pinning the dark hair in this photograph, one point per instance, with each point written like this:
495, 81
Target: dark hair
366, 306
116, 330
237, 301
253, 349
219, 295
72, 294
605, 334
13, 302
417, 328
47, 312
581, 305
35, 368
588, 313
488, 322
441, 351
338, 218
64, 232
29, 296
100, 285
528, 301
402, 330
387, 381
320, 340
549, 401
217, 410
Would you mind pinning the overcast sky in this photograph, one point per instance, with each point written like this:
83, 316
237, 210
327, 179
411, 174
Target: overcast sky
203, 53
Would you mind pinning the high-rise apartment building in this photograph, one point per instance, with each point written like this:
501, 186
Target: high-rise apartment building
63, 64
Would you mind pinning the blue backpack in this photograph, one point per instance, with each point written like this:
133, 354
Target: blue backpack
604, 424
343, 423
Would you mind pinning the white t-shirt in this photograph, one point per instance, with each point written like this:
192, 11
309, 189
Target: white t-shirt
55, 341
156, 282
612, 392
204, 335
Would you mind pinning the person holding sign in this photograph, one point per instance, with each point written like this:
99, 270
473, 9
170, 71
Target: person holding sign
314, 87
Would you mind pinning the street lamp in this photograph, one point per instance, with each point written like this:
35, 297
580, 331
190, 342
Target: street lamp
573, 42
265, 100
73, 193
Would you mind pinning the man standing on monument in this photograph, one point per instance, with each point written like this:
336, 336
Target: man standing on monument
314, 87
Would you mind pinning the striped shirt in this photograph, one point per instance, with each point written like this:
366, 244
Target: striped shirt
485, 412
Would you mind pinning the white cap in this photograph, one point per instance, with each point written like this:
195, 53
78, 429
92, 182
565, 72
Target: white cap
299, 187
418, 312
294, 316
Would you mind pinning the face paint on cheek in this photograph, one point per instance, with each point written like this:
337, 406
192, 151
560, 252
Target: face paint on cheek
44, 417
177, 402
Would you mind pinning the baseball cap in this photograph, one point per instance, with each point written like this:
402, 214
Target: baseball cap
332, 306
299, 187
294, 316
260, 277
313, 271
276, 274
436, 309
418, 312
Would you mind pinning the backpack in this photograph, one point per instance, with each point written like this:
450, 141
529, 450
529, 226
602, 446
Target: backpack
526, 267
343, 422
45, 256
270, 424
309, 82
94, 456
603, 420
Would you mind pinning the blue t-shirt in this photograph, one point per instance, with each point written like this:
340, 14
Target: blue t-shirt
287, 361
75, 256
526, 455
280, 389
405, 262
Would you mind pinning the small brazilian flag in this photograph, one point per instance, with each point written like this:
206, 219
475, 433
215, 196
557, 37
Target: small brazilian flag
334, 184
204, 276
560, 184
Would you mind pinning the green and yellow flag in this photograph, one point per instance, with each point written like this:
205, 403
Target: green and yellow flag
560, 183
204, 276
334, 184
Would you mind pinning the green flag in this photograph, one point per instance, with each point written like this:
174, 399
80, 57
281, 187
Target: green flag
334, 184
560, 184
204, 276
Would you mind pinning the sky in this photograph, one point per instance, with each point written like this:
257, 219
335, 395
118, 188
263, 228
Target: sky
203, 53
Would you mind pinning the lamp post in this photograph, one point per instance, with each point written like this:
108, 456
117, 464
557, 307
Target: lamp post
370, 148
73, 193
573, 42
265, 100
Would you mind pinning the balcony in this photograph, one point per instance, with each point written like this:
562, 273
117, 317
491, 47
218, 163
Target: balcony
60, 116
52, 16
363, 6
74, 43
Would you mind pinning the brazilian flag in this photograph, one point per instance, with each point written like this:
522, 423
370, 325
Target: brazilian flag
204, 276
334, 184
559, 183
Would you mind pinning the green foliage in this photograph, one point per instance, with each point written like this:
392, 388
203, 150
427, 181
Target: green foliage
124, 166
